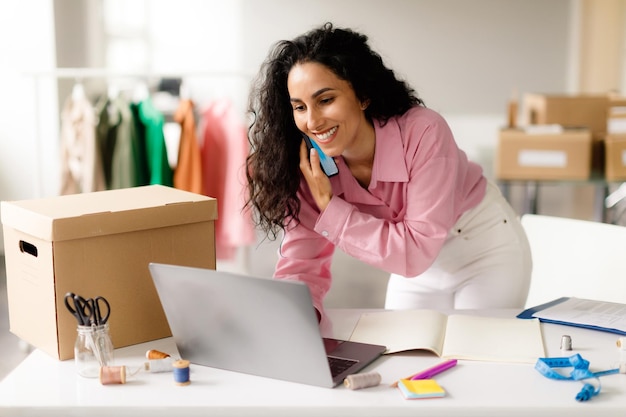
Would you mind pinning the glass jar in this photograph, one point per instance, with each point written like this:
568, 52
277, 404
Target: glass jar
93, 349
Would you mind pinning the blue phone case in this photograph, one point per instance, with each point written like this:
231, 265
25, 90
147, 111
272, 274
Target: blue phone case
328, 164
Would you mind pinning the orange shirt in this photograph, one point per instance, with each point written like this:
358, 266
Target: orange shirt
188, 172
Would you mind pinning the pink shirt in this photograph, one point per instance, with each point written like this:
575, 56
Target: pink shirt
223, 155
421, 184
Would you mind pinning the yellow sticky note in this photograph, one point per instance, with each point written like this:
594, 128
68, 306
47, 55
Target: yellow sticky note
420, 388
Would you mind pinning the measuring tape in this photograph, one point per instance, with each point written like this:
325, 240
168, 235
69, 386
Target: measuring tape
579, 372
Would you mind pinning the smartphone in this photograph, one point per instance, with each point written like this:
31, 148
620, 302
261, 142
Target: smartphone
328, 164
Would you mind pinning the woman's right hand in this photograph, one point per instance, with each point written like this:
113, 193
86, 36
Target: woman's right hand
318, 182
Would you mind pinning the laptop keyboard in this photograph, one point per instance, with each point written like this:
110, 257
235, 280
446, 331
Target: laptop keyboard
338, 365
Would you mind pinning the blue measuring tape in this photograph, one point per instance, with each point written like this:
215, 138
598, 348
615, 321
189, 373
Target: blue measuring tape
579, 372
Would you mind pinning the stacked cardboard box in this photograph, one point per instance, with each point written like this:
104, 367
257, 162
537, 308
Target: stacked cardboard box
615, 141
615, 157
569, 111
602, 115
544, 156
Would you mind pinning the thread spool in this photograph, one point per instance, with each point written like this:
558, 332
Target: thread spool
159, 365
156, 354
112, 375
358, 381
566, 342
181, 372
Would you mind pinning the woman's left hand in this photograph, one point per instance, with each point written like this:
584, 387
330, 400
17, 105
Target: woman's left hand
318, 182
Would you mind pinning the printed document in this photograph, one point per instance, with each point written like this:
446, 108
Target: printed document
587, 313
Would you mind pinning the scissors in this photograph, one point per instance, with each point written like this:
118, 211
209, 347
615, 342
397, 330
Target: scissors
97, 318
80, 308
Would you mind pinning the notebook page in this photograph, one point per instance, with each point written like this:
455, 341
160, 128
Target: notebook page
493, 339
402, 330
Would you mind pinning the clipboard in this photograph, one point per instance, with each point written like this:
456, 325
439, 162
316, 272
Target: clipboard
548, 313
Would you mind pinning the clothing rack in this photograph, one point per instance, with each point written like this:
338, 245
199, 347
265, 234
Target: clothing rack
80, 73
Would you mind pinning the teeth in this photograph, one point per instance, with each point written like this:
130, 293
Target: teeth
328, 134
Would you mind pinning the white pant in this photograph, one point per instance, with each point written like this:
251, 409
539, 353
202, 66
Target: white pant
485, 263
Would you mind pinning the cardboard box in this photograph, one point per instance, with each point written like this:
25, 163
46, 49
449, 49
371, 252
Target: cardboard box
615, 157
616, 123
554, 156
100, 244
570, 111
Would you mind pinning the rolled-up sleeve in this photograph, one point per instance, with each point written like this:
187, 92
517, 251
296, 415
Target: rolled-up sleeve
306, 255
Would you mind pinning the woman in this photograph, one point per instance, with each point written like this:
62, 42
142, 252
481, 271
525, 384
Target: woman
406, 199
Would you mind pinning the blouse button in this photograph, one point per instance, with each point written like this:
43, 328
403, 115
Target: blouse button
324, 233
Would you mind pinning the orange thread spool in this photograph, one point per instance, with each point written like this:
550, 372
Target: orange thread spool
156, 354
112, 375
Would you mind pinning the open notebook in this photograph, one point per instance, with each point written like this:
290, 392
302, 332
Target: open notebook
457, 336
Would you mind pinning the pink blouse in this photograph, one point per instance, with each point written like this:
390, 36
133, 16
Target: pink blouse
421, 184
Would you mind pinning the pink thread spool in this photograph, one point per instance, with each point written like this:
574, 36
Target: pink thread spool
112, 375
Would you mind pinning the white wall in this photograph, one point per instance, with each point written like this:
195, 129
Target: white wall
463, 57
26, 44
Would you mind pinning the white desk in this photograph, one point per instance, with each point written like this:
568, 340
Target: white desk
42, 386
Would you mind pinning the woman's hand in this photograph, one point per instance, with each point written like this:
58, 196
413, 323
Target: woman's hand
318, 182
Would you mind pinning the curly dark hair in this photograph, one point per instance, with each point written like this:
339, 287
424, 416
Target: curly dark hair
273, 163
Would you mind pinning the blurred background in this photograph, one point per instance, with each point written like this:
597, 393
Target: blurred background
466, 59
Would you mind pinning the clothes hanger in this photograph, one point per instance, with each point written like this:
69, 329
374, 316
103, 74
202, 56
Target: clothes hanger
141, 92
184, 92
78, 91
113, 91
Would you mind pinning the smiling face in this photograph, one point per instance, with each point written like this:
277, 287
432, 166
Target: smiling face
326, 108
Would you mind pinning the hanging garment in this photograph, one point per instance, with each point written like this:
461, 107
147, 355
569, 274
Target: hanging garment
188, 172
106, 136
224, 147
81, 164
142, 171
118, 142
151, 123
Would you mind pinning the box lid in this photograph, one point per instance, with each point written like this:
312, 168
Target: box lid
107, 212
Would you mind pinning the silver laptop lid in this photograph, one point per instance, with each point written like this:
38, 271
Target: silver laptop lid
246, 324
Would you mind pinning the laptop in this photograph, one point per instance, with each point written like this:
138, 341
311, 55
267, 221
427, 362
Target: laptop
258, 326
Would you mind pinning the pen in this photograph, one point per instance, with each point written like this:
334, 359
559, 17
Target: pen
430, 372
437, 369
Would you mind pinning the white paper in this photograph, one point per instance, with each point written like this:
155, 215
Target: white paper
544, 159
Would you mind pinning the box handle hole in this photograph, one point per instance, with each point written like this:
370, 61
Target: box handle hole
28, 248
